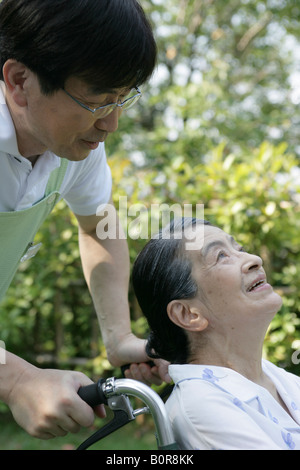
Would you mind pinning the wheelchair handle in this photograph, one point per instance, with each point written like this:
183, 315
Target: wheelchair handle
93, 394
105, 390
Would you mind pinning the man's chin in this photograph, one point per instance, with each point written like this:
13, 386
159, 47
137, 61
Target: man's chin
75, 156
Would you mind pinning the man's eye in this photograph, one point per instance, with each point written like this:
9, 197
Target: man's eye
124, 97
93, 105
103, 101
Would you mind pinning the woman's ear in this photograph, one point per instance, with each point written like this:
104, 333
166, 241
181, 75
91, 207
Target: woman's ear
186, 316
15, 74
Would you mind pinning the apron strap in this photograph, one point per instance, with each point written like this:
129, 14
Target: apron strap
56, 177
18, 228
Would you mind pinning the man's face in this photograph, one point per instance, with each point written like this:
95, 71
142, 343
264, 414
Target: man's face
233, 281
59, 124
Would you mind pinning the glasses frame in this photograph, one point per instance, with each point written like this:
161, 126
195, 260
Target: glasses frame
111, 106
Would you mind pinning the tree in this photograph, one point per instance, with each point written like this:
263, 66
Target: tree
217, 125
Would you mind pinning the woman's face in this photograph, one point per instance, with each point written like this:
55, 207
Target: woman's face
232, 282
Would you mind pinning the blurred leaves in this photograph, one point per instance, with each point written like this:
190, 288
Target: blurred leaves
218, 125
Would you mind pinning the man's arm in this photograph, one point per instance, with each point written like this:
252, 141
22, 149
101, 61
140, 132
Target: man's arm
106, 268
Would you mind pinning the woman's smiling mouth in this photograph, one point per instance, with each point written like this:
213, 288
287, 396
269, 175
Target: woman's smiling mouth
258, 284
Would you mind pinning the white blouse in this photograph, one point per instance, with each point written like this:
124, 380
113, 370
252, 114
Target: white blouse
216, 408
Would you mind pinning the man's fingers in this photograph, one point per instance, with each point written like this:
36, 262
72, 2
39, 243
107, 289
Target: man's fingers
143, 373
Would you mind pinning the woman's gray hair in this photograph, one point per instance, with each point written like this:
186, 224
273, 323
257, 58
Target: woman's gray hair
162, 272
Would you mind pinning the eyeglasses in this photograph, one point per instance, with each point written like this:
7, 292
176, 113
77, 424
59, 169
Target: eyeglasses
103, 111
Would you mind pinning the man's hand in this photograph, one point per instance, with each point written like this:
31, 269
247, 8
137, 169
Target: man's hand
131, 350
149, 374
46, 404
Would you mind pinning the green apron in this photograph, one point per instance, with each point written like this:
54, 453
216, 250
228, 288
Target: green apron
18, 228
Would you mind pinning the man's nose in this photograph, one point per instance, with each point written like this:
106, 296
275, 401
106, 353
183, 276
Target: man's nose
110, 122
252, 262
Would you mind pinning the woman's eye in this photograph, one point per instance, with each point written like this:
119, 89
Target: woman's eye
221, 254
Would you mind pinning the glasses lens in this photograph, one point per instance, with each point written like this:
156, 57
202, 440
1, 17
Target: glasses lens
106, 110
103, 112
131, 101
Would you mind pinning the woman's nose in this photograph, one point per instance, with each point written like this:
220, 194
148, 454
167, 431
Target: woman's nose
252, 262
110, 122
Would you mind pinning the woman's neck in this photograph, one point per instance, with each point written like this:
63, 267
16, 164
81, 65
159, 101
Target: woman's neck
244, 355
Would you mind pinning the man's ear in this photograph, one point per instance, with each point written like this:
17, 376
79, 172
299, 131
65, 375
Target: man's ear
15, 74
186, 316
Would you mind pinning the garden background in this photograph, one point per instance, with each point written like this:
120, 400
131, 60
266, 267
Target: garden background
217, 125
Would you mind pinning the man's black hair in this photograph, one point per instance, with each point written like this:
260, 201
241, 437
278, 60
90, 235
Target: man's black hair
107, 43
162, 272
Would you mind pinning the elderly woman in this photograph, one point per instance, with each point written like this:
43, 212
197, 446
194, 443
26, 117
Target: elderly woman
208, 309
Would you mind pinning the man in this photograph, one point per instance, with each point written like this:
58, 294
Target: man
68, 68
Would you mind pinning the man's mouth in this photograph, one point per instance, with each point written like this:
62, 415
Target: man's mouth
91, 145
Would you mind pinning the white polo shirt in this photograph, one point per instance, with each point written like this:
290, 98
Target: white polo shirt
216, 408
86, 184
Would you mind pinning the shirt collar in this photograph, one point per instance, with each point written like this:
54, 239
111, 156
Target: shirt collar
221, 377
8, 138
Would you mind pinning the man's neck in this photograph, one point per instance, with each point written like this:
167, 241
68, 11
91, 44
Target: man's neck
27, 148
33, 159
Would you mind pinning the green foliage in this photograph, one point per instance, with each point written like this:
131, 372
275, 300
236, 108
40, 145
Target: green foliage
256, 198
48, 310
218, 125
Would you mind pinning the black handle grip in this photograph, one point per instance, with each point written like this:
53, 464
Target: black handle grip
93, 394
